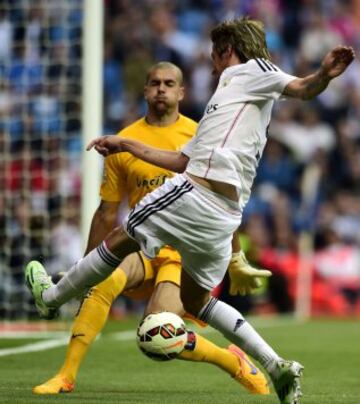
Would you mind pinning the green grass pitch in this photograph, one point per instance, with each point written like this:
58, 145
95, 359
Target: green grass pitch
115, 372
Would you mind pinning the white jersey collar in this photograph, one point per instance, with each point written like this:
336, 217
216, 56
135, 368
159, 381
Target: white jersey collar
232, 71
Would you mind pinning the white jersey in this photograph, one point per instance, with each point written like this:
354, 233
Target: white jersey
231, 136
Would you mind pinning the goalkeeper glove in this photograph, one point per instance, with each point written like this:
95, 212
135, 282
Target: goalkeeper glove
244, 279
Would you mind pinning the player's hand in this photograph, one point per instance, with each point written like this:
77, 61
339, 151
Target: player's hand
106, 145
336, 61
244, 279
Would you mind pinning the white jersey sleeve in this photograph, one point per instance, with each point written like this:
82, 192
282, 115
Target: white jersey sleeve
188, 147
264, 80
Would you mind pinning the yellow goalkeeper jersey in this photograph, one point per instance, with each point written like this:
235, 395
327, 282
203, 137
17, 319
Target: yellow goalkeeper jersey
128, 176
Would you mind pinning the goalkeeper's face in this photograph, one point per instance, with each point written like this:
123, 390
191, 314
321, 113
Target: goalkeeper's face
163, 90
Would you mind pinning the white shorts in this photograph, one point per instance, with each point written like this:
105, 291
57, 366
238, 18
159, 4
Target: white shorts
195, 221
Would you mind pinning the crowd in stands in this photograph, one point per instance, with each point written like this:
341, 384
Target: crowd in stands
308, 182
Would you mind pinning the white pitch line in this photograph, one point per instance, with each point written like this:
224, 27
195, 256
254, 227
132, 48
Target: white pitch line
123, 335
35, 347
119, 336
33, 334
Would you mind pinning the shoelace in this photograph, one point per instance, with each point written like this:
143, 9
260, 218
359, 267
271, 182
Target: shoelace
44, 279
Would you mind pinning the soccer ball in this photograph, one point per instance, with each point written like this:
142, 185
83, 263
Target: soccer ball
162, 336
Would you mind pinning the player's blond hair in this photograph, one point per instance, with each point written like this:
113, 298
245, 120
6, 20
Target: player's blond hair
245, 36
166, 65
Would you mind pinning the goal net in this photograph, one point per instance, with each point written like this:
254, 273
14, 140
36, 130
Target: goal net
40, 142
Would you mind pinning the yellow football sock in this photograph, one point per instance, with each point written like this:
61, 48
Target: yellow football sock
206, 351
90, 320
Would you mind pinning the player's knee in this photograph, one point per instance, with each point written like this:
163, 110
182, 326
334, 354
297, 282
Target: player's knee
120, 243
132, 269
105, 292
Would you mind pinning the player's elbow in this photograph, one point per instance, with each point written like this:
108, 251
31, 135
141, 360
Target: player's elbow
299, 89
180, 163
305, 96
179, 168
299, 93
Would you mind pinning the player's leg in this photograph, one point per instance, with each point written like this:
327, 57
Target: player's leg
90, 320
166, 297
95, 307
87, 272
284, 374
100, 262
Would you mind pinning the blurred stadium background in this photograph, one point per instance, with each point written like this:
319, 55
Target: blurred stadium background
303, 219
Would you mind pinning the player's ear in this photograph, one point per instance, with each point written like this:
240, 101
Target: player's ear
228, 52
181, 93
145, 91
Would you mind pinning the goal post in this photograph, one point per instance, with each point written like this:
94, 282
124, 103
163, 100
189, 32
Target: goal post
51, 100
92, 100
309, 192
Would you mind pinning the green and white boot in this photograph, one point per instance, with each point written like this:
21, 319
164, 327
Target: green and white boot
38, 281
286, 381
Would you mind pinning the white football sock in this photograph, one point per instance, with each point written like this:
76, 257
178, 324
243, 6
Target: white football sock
88, 271
234, 327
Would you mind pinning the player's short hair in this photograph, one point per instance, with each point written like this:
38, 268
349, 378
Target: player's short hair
245, 36
166, 65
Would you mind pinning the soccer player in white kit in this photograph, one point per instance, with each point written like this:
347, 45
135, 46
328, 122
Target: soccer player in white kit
199, 209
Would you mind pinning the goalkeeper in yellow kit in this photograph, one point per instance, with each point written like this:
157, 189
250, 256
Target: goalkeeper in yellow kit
128, 177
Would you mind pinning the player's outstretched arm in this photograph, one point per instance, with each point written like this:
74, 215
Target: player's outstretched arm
171, 160
333, 64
